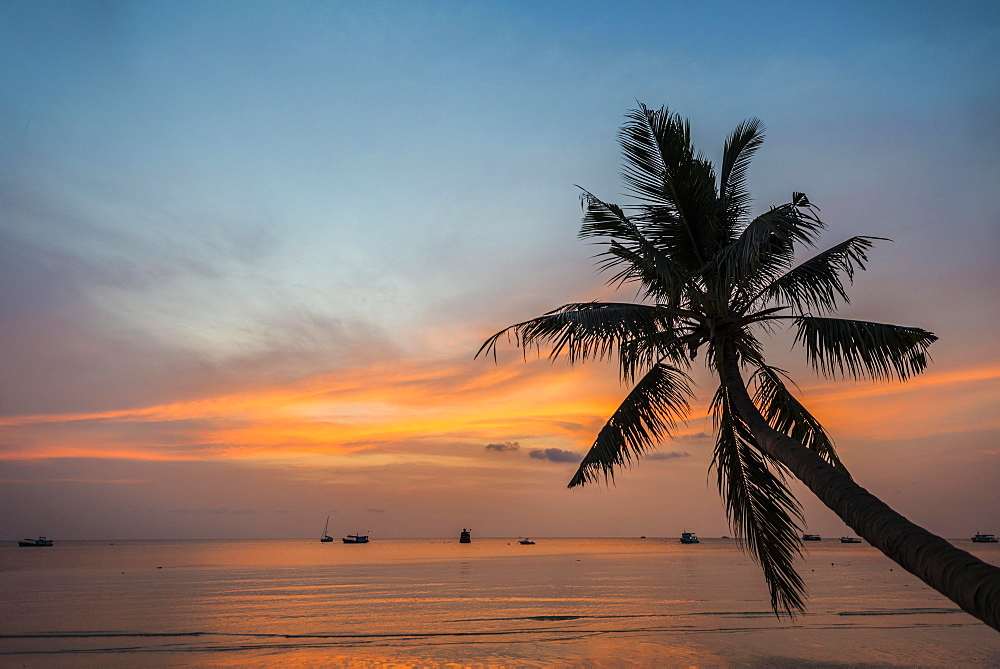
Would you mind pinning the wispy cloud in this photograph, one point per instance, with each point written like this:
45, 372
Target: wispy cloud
667, 455
223, 510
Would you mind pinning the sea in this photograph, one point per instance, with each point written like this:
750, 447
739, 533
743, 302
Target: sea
562, 602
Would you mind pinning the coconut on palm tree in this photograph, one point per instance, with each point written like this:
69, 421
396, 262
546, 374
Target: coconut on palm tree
713, 279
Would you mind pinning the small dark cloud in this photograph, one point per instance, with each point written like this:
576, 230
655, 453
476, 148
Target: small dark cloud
669, 455
503, 446
554, 455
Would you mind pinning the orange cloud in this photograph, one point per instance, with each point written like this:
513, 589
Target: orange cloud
415, 406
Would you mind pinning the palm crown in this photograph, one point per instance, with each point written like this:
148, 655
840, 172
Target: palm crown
712, 278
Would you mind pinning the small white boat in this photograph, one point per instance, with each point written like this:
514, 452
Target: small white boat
850, 540
40, 541
981, 538
356, 539
689, 538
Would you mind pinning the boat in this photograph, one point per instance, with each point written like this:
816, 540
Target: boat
356, 539
985, 538
40, 541
850, 540
811, 537
689, 538
465, 537
526, 542
325, 537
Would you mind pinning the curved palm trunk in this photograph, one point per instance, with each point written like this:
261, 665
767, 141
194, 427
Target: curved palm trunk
961, 577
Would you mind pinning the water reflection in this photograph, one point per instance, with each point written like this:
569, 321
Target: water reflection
412, 602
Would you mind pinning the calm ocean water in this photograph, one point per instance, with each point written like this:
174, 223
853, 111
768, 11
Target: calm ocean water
492, 603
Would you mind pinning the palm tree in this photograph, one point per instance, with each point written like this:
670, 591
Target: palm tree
712, 278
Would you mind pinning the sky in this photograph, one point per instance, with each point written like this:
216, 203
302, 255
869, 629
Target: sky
250, 250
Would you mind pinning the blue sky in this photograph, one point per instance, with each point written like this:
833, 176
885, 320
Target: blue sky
204, 199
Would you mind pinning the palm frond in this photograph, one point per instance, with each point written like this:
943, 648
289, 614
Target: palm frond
654, 143
677, 185
759, 506
815, 285
584, 331
766, 247
677, 345
650, 411
861, 349
736, 156
787, 415
631, 254
604, 219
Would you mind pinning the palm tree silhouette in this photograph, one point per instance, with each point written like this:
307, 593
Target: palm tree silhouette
712, 279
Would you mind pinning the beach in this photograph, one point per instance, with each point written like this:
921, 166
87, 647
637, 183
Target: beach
491, 603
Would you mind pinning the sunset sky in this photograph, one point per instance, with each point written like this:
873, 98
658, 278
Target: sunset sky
250, 249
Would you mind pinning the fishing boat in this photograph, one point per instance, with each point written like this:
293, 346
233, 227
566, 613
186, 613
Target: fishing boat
325, 537
356, 539
689, 538
811, 537
850, 540
526, 542
40, 541
985, 538
465, 537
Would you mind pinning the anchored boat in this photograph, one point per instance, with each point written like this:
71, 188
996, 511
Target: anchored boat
325, 537
689, 538
356, 539
985, 538
40, 541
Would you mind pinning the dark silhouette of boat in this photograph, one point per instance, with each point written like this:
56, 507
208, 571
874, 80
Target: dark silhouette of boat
526, 542
689, 538
40, 541
985, 538
356, 539
465, 537
811, 537
325, 537
850, 540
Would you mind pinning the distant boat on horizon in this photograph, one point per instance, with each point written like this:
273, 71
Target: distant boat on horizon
40, 541
811, 537
985, 538
465, 537
689, 538
526, 542
356, 539
850, 540
325, 537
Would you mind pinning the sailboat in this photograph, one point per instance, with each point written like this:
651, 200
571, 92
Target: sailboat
326, 538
